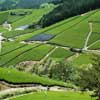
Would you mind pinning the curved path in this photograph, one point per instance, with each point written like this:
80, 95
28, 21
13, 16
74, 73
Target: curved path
88, 36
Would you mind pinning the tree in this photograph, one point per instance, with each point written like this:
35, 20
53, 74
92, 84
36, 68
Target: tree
63, 71
12, 4
90, 77
68, 8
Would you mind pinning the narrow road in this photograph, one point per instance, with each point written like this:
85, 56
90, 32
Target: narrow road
94, 51
88, 36
12, 90
93, 43
38, 88
48, 54
1, 38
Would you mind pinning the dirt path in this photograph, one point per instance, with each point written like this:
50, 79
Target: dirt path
11, 90
94, 51
1, 38
88, 36
38, 88
93, 43
48, 54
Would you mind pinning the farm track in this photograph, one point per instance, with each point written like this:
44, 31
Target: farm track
56, 46
18, 85
34, 89
47, 55
74, 56
88, 36
94, 51
93, 43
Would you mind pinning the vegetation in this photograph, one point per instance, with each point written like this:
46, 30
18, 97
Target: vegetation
34, 17
62, 71
12, 4
89, 77
70, 32
3, 17
78, 61
57, 70
62, 55
17, 77
55, 95
24, 53
69, 8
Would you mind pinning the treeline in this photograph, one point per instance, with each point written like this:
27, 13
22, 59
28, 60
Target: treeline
13, 4
68, 8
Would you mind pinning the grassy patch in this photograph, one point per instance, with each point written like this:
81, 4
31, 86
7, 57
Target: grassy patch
61, 53
55, 96
17, 77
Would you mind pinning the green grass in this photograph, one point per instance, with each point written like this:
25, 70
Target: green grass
2, 29
95, 46
14, 53
8, 47
32, 18
61, 53
35, 54
94, 41
3, 17
18, 77
75, 36
55, 95
13, 19
14, 33
71, 32
83, 59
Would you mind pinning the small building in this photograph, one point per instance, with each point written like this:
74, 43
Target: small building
76, 50
7, 26
1, 37
22, 27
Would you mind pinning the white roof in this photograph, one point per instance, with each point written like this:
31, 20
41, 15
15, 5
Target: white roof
1, 37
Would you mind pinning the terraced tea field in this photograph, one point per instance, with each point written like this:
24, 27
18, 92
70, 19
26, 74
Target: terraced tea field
23, 52
70, 33
73, 32
75, 39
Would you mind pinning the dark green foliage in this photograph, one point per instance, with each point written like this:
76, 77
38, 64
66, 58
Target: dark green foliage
63, 71
12, 4
90, 77
58, 70
67, 9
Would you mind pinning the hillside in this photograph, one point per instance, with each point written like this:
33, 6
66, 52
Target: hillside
62, 57
69, 8
67, 34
